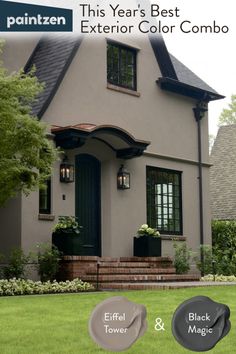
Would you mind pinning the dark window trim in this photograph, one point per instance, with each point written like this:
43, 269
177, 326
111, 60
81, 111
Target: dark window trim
124, 45
134, 51
49, 197
180, 173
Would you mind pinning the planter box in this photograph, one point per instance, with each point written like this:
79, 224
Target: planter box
69, 244
147, 246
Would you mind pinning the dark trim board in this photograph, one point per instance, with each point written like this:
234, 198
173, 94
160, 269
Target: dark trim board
55, 75
163, 57
184, 89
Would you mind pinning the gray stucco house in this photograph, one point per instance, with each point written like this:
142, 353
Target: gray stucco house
223, 174
108, 103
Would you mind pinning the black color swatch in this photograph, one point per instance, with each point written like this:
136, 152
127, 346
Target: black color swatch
200, 323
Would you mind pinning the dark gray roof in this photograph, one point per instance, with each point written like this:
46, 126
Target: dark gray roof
52, 57
186, 76
223, 174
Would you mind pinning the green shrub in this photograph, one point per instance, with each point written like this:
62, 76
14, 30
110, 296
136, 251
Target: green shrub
205, 267
217, 277
224, 246
28, 287
16, 264
182, 257
48, 258
67, 224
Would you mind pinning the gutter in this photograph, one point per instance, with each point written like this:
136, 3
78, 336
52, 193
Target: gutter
184, 89
199, 112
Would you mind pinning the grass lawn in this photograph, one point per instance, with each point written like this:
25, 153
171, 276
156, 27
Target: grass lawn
58, 324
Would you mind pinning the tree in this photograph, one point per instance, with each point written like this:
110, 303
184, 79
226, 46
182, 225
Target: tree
228, 116
26, 154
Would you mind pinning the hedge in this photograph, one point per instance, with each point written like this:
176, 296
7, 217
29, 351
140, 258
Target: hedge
224, 246
15, 286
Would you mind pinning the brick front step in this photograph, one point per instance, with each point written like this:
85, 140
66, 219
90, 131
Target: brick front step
145, 259
137, 264
123, 270
148, 286
117, 259
124, 278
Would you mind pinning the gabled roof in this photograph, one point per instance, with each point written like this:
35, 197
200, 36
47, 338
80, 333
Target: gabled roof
177, 78
188, 77
223, 174
53, 56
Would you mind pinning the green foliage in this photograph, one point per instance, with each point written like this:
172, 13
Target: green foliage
16, 264
24, 148
223, 278
28, 287
48, 258
205, 267
145, 230
224, 246
182, 257
228, 115
67, 224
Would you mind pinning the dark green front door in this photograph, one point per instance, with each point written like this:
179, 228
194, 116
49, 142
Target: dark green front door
88, 203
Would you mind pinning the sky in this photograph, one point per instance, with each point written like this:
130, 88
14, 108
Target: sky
211, 56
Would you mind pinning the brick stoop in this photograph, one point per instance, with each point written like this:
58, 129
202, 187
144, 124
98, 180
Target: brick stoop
123, 272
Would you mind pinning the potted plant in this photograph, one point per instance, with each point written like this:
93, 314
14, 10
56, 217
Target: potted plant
66, 235
147, 242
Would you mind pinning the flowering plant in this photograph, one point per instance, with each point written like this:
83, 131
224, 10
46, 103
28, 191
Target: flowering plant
15, 286
145, 230
67, 224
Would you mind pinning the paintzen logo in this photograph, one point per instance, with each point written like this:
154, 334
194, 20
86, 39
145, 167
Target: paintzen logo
38, 20
21, 17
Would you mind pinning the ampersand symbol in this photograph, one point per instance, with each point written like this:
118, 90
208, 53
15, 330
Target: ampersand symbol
159, 326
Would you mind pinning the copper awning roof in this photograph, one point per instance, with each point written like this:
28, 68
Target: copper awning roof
118, 139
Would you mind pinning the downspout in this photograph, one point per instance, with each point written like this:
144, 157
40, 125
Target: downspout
199, 112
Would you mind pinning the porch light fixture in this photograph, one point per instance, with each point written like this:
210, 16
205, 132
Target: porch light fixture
66, 171
123, 178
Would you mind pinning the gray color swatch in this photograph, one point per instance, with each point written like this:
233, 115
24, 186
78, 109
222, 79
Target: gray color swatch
116, 323
200, 323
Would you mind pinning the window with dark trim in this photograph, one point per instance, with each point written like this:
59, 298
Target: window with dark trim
121, 66
45, 198
164, 200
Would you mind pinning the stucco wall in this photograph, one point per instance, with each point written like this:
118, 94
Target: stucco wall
163, 118
10, 226
123, 211
17, 51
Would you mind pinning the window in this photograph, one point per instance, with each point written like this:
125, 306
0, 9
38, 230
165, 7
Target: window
45, 198
164, 204
121, 66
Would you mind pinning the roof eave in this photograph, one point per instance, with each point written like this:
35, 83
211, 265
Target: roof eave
184, 89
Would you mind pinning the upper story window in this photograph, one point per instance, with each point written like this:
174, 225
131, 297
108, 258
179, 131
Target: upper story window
164, 200
121, 66
45, 198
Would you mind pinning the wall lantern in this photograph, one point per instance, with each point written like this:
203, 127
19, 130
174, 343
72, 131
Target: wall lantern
66, 171
123, 178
